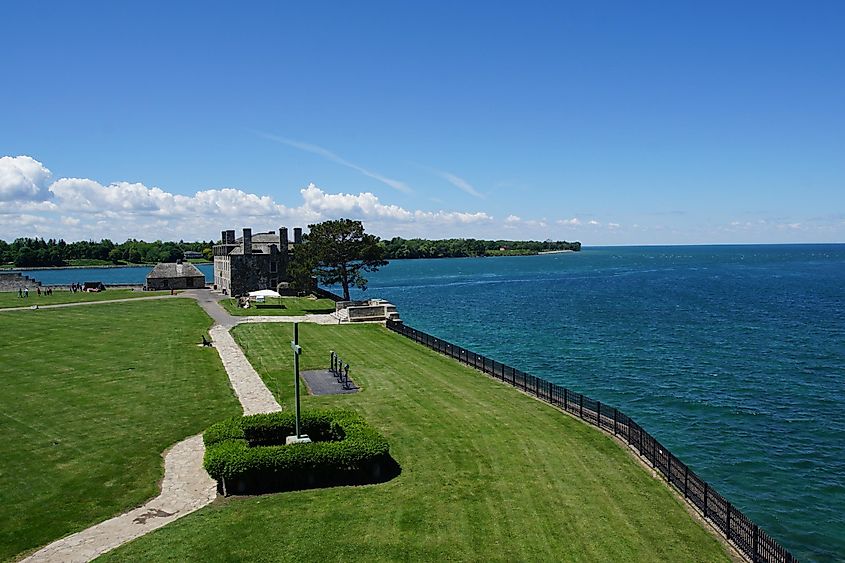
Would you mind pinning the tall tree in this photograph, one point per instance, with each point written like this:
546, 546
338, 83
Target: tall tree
338, 252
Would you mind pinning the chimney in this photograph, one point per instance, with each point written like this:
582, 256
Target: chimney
223, 237
297, 235
230, 236
283, 239
247, 241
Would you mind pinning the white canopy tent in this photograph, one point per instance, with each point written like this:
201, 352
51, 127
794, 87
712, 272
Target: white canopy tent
264, 293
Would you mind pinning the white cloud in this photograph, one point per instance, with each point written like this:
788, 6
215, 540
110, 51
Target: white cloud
458, 182
593, 222
23, 178
511, 219
569, 222
367, 206
329, 155
80, 208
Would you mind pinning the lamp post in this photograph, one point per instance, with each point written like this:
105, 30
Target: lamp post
297, 350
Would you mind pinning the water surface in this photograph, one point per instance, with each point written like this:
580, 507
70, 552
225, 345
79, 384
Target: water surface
732, 356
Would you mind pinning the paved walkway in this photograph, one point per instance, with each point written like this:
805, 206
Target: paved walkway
317, 319
186, 486
250, 389
78, 303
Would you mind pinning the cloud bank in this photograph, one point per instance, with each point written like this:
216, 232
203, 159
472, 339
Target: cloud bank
31, 204
23, 178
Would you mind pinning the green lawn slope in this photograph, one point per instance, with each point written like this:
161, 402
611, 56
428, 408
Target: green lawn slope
91, 397
488, 474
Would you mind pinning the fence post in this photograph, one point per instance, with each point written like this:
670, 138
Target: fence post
565, 398
581, 406
706, 491
669, 466
728, 520
615, 421
756, 531
686, 480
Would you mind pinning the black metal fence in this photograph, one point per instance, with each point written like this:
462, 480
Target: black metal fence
744, 534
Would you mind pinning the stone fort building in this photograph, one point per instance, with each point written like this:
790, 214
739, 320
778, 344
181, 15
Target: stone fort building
254, 261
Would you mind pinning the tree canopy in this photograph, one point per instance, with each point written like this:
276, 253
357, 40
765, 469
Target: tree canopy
337, 252
25, 252
397, 247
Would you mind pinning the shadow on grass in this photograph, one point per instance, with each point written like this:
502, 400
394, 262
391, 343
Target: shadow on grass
380, 471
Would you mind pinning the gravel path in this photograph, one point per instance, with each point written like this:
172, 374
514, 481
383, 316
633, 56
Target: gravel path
186, 486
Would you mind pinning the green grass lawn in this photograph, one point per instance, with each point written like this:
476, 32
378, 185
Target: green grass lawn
291, 306
91, 397
488, 474
11, 299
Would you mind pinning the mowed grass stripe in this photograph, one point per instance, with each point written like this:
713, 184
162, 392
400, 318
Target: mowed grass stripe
92, 396
488, 474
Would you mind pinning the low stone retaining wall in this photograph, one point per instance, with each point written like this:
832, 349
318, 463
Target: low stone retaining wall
12, 281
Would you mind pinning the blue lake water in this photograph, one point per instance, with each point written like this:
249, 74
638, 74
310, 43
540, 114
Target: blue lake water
121, 275
732, 356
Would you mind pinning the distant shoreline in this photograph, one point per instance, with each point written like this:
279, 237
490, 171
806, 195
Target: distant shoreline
31, 268
104, 266
554, 251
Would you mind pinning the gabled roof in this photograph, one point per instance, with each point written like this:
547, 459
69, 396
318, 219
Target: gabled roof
171, 270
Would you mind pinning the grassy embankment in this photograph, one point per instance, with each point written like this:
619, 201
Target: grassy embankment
488, 474
11, 299
91, 397
291, 306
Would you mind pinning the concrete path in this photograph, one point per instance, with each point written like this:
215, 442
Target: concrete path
186, 486
316, 319
79, 303
248, 385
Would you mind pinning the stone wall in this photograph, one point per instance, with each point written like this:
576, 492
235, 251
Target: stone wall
11, 281
378, 312
251, 272
183, 282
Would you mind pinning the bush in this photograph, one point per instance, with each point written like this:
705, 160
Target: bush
247, 454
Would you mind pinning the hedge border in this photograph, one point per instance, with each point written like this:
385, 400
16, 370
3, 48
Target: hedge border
246, 454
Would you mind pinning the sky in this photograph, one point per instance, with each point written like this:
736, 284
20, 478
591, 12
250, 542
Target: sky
605, 122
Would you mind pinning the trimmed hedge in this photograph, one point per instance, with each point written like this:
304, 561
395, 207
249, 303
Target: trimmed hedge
248, 454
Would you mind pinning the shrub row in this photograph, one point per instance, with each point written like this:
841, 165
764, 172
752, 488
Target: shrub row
247, 454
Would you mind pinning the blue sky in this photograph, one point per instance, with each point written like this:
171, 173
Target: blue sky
609, 123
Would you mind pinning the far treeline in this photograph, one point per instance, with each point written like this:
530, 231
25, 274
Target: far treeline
29, 252
35, 252
397, 248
